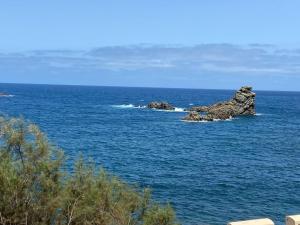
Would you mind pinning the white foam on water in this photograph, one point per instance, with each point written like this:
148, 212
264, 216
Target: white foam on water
229, 119
259, 114
140, 107
191, 104
124, 106
177, 109
204, 121
128, 106
191, 121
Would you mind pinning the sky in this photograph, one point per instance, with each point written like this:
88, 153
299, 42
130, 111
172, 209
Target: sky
160, 43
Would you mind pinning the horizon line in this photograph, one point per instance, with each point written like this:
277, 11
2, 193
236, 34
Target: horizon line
150, 87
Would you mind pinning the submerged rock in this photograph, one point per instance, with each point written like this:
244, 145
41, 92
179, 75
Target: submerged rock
2, 94
242, 103
160, 105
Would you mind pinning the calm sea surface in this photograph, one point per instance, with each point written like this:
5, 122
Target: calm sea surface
211, 172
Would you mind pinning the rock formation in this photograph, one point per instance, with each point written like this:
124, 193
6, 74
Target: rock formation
160, 105
242, 103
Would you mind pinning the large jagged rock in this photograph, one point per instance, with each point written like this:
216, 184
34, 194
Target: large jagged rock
160, 105
242, 103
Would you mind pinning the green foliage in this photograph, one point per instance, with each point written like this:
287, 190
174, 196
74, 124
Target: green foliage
35, 191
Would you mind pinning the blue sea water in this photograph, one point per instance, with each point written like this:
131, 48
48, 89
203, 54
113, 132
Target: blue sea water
211, 172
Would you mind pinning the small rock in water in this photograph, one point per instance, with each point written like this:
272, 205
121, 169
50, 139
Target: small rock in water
160, 105
2, 94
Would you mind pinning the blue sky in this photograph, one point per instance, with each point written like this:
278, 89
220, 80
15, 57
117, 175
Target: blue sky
192, 43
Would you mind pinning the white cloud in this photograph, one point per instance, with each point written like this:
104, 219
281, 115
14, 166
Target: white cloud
221, 58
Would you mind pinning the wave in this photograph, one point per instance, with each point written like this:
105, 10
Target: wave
176, 109
191, 121
128, 106
229, 119
259, 114
132, 106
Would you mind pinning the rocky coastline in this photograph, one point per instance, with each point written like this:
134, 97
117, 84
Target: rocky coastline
242, 103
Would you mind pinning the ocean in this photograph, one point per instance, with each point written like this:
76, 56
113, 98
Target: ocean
212, 173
